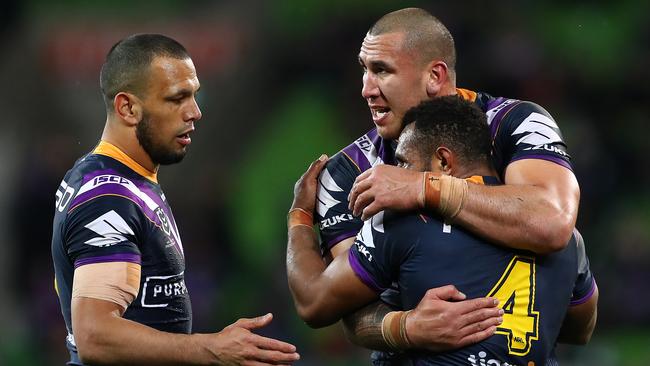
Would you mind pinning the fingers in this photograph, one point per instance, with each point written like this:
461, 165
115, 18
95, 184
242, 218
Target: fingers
362, 199
315, 167
447, 293
254, 323
481, 319
370, 210
469, 306
276, 357
360, 185
273, 344
477, 337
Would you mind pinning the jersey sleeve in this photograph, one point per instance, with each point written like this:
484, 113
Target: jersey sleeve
527, 131
585, 283
335, 220
108, 228
379, 250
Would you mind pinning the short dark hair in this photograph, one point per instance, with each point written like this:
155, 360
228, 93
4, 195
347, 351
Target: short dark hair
424, 33
127, 63
452, 122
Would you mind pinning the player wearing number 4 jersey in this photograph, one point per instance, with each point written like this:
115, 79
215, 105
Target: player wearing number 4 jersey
416, 252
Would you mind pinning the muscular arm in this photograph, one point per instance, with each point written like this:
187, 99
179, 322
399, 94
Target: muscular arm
580, 321
322, 294
535, 210
441, 320
103, 337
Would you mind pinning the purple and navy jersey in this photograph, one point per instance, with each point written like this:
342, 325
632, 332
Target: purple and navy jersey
105, 211
519, 130
417, 252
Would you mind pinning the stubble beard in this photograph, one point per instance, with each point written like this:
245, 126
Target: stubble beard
145, 132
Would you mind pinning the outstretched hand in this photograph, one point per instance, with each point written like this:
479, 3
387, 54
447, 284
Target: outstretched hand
386, 186
444, 320
236, 344
304, 192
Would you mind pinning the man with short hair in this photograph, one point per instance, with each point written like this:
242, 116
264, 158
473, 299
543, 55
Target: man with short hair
449, 137
118, 257
408, 56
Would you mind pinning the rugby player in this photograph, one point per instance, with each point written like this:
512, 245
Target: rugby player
447, 137
118, 257
409, 56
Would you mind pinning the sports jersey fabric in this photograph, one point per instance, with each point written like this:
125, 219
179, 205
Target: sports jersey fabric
519, 130
111, 209
414, 253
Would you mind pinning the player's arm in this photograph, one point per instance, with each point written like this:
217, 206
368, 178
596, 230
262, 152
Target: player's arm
440, 321
536, 209
580, 321
101, 293
322, 293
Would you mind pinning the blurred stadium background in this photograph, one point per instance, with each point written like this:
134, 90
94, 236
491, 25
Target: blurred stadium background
281, 85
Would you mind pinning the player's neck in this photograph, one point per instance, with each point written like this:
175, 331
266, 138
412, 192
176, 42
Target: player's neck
124, 138
476, 169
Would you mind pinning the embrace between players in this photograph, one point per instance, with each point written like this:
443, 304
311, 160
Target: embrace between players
434, 261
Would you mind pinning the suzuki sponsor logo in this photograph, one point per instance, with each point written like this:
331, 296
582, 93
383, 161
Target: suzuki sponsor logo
335, 220
482, 361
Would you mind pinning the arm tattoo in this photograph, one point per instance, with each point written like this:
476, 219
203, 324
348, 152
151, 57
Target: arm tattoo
363, 327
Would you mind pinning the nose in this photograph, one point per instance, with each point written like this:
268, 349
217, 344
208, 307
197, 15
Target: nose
193, 112
370, 88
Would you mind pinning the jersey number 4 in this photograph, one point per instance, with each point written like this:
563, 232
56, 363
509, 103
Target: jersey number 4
516, 293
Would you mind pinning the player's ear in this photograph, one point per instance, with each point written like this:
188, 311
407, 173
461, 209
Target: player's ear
446, 160
128, 107
437, 77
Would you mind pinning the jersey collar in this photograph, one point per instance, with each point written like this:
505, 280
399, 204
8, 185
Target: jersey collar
467, 94
110, 150
485, 180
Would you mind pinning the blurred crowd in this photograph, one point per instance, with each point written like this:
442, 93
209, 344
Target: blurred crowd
281, 85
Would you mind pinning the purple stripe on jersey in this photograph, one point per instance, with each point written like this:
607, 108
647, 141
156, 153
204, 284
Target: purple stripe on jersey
495, 102
116, 189
357, 156
337, 239
361, 272
117, 257
496, 121
585, 298
550, 158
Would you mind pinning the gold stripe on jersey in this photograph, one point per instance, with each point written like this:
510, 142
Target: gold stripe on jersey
110, 150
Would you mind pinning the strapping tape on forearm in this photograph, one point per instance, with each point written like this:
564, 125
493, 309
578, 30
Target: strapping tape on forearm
444, 194
117, 282
299, 217
393, 330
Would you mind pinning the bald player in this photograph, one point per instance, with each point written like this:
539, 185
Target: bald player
415, 251
409, 56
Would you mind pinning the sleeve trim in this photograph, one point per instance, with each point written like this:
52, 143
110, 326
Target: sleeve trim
552, 159
584, 299
361, 272
117, 257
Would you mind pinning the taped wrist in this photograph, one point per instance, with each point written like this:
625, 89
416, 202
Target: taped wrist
393, 330
444, 194
299, 217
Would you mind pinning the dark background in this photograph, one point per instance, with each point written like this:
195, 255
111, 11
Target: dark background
280, 86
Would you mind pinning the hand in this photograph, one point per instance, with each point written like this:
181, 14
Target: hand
386, 186
304, 192
237, 345
441, 321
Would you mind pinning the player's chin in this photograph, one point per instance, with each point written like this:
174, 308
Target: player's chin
389, 132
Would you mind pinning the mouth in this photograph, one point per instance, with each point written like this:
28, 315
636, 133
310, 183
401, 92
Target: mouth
379, 114
184, 139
